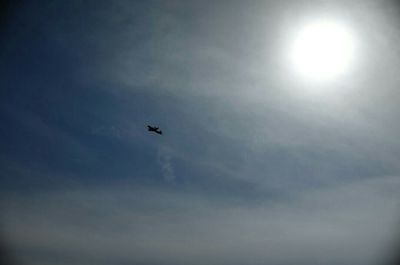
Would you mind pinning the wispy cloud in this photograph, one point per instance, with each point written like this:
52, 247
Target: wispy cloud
164, 158
251, 169
348, 224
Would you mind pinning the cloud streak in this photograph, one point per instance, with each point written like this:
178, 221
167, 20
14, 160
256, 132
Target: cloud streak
253, 168
353, 223
164, 160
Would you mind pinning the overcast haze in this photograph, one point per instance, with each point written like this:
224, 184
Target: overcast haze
256, 165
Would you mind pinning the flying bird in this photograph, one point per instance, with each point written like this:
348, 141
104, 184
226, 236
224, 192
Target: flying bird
154, 129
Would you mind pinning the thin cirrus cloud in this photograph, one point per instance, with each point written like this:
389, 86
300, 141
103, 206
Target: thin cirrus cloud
127, 223
252, 168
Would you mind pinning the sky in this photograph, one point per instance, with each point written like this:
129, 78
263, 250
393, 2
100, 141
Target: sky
256, 165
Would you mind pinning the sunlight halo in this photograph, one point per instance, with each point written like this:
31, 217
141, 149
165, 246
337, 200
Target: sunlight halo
322, 50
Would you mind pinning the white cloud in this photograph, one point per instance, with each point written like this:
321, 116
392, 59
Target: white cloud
164, 160
349, 224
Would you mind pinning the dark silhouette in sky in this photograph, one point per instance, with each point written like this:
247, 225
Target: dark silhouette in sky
262, 167
154, 129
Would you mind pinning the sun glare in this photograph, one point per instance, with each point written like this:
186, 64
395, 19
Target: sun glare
323, 50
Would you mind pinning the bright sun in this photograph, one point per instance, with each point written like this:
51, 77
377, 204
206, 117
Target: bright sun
323, 50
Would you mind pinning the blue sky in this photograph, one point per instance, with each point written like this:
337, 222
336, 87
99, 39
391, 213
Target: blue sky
255, 166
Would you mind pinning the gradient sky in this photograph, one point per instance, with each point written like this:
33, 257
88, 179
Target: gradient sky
256, 166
